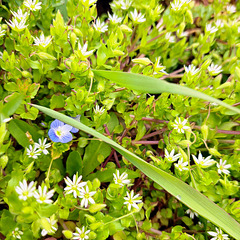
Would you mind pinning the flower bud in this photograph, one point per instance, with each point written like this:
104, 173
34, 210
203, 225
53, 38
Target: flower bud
214, 152
68, 234
125, 29
204, 130
143, 61
96, 207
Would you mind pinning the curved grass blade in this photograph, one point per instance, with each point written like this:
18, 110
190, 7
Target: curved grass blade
185, 193
154, 85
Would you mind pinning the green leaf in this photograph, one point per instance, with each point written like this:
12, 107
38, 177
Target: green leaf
154, 85
10, 107
183, 192
74, 163
91, 156
19, 128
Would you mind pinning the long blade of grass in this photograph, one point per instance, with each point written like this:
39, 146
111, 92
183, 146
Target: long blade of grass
185, 193
153, 85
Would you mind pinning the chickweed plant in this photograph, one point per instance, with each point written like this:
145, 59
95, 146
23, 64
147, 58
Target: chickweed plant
119, 126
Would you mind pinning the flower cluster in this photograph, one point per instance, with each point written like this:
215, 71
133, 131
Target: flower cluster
33, 151
79, 189
131, 200
26, 191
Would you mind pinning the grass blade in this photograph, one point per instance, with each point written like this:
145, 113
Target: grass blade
185, 193
154, 85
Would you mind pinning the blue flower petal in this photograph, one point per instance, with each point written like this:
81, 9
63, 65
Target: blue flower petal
74, 130
66, 128
67, 137
53, 136
56, 123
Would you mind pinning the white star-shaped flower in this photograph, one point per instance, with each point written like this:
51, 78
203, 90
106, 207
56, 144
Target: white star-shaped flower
222, 167
42, 41
218, 235
210, 29
19, 14
16, 233
100, 27
98, 110
33, 152
74, 186
121, 179
203, 162
114, 18
125, 5
24, 190
214, 69
169, 37
42, 196
132, 201
51, 228
191, 213
180, 125
2, 31
81, 234
171, 157
191, 70
137, 17
84, 51
180, 165
231, 9
86, 196
42, 146
33, 5
16, 25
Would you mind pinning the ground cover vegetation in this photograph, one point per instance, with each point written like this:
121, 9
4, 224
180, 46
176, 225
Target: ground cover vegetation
119, 126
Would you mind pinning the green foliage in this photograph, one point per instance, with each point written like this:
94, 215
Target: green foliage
135, 118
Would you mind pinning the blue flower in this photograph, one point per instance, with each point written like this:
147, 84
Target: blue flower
60, 132
75, 130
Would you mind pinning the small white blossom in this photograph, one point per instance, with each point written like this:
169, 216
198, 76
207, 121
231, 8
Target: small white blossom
33, 5
100, 27
81, 234
114, 18
214, 69
222, 167
33, 152
86, 196
170, 157
137, 17
84, 51
42, 146
169, 37
203, 162
19, 14
158, 67
218, 235
181, 165
191, 69
98, 110
74, 186
231, 9
51, 228
210, 29
42, 196
42, 41
24, 190
121, 179
16, 233
5, 120
176, 5
125, 5
191, 213
2, 31
17, 26
132, 201
219, 23
180, 125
